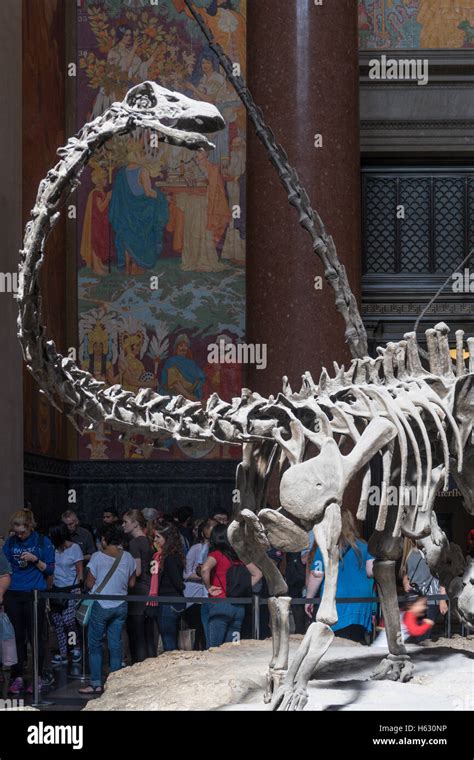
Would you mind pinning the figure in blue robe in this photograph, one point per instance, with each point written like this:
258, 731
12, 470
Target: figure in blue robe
192, 375
137, 219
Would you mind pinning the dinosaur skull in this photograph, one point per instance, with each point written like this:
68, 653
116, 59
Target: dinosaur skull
176, 116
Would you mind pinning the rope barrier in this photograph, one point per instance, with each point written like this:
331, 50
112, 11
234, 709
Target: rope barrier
214, 600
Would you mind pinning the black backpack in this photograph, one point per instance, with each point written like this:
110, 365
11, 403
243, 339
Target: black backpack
295, 570
238, 581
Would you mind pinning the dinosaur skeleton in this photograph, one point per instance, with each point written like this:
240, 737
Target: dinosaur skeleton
416, 419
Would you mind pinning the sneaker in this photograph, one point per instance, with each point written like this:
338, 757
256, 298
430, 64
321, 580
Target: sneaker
58, 660
47, 678
16, 686
30, 687
76, 656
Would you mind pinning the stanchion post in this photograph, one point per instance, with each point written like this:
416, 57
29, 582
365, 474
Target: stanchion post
256, 616
83, 677
35, 649
449, 621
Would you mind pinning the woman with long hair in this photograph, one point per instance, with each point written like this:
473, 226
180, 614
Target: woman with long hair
225, 618
170, 568
31, 558
139, 626
68, 577
354, 580
195, 587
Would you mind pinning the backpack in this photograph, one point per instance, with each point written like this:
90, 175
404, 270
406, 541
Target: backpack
238, 581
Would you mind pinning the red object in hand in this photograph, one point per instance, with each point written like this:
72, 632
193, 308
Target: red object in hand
415, 628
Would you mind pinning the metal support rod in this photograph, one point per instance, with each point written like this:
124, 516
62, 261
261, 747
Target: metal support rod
256, 616
83, 677
323, 244
35, 650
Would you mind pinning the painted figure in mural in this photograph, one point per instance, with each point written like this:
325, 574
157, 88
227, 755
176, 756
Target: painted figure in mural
204, 215
441, 29
389, 24
125, 66
180, 374
468, 30
96, 248
402, 23
138, 215
224, 379
133, 344
226, 24
214, 88
363, 25
234, 246
98, 354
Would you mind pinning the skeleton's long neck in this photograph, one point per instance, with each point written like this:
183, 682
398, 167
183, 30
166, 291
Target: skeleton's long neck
87, 401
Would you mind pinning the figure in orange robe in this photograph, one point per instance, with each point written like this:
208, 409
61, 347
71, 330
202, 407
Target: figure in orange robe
95, 242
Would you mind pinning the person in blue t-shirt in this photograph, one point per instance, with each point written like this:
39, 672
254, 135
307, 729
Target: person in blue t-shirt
31, 558
355, 579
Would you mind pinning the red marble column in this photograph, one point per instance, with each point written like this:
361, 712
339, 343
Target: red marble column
11, 403
303, 73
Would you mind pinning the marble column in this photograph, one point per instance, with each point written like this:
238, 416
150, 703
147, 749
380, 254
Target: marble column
11, 402
303, 72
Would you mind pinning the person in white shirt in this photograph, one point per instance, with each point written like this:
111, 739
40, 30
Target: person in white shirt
68, 577
108, 616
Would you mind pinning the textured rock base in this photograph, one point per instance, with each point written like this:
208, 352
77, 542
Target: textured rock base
189, 680
233, 678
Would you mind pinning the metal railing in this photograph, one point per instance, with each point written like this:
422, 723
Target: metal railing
256, 601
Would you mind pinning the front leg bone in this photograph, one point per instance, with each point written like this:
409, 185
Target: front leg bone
384, 574
249, 540
397, 666
280, 624
327, 534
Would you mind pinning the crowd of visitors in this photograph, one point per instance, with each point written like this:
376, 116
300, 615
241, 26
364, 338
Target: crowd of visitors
147, 554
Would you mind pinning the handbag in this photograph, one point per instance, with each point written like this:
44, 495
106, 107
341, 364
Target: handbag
8, 653
419, 589
84, 609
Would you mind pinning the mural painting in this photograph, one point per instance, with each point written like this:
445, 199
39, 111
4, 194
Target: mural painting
161, 232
